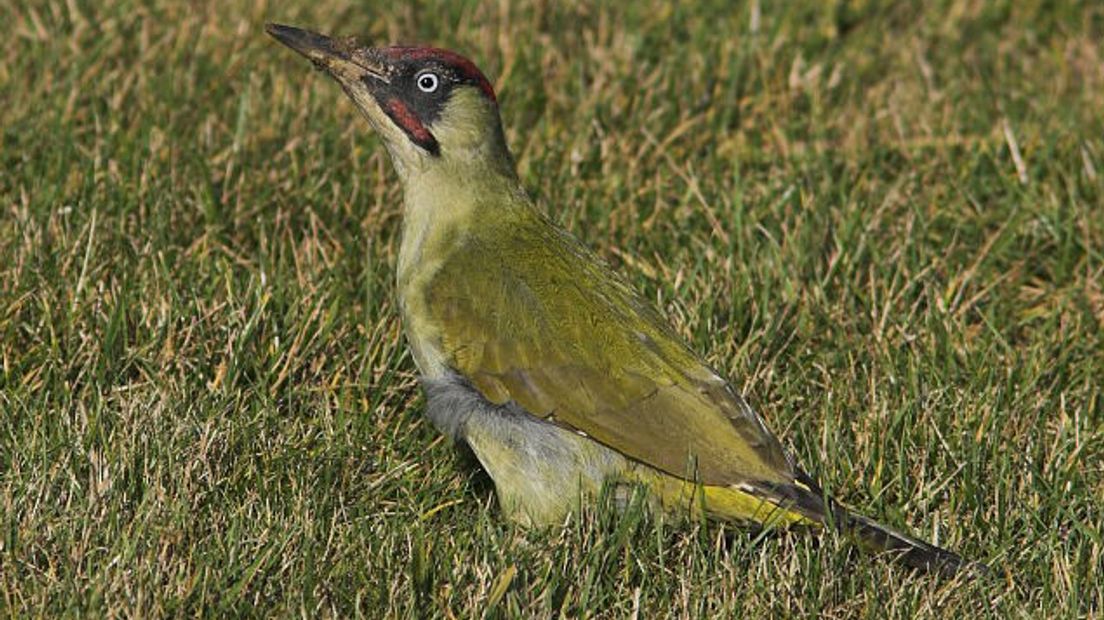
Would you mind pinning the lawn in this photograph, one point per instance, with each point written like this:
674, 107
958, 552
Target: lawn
884, 221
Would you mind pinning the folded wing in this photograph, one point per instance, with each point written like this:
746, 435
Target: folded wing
555, 331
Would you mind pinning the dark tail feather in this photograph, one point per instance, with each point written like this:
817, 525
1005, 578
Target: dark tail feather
909, 551
875, 537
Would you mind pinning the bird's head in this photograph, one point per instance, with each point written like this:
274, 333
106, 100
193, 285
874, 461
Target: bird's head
432, 107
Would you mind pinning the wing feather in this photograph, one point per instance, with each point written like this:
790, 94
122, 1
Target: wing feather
564, 338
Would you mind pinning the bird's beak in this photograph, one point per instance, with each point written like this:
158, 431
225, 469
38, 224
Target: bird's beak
344, 58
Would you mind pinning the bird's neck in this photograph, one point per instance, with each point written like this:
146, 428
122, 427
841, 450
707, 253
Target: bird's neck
444, 203
442, 209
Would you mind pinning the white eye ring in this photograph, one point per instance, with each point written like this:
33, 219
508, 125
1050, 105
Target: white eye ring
427, 82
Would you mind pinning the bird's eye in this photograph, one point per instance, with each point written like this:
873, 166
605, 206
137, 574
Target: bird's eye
428, 82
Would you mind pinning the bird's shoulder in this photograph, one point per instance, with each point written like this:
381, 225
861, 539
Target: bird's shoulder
532, 281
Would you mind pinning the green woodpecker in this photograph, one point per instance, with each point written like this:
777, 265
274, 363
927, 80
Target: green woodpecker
531, 350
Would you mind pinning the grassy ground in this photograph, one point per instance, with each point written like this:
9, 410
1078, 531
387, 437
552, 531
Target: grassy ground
886, 223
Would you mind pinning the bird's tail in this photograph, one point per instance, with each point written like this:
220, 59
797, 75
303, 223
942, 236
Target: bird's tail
912, 552
875, 537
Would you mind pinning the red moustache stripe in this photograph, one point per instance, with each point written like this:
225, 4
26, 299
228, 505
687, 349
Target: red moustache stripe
405, 118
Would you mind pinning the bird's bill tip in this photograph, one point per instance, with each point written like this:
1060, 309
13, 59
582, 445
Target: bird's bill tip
343, 58
310, 44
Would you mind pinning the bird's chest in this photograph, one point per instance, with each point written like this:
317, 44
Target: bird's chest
418, 265
424, 340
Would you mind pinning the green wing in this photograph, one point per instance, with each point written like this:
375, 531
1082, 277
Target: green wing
527, 314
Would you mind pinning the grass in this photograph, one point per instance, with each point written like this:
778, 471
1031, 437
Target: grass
884, 221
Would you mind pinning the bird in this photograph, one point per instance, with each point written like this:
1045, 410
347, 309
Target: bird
560, 378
